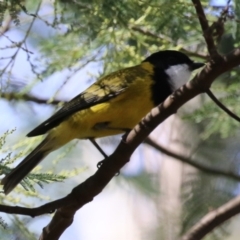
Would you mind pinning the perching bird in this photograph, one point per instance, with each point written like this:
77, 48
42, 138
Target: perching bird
112, 105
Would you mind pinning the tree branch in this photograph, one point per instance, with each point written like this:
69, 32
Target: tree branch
165, 38
222, 106
193, 163
213, 219
26, 97
207, 32
34, 212
86, 191
19, 45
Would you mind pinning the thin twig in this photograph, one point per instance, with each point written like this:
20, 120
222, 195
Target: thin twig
14, 45
166, 38
25, 97
34, 212
26, 11
217, 28
207, 34
11, 62
224, 108
76, 70
193, 163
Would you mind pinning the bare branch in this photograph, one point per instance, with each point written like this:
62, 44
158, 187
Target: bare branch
13, 58
193, 163
213, 219
151, 34
26, 97
207, 34
25, 10
34, 212
222, 106
86, 191
165, 38
217, 28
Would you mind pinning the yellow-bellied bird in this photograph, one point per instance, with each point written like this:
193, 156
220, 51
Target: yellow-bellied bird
112, 105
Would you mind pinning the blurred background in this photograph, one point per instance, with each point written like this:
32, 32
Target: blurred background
53, 50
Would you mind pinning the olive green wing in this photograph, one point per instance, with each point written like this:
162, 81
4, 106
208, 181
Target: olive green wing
102, 91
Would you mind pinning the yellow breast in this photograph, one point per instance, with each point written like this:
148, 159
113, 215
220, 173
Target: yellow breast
112, 117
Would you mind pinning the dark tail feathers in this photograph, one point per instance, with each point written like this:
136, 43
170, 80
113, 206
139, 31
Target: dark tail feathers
26, 166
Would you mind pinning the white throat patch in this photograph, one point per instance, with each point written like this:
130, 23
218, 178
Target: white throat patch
178, 74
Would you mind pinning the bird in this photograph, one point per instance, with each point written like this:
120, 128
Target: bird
112, 105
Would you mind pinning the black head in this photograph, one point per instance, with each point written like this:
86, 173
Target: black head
172, 69
168, 58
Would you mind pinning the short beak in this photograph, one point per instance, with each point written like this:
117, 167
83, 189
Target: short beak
196, 65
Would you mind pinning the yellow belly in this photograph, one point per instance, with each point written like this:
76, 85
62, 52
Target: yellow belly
122, 112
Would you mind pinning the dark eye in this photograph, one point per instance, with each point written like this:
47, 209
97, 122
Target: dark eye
172, 61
